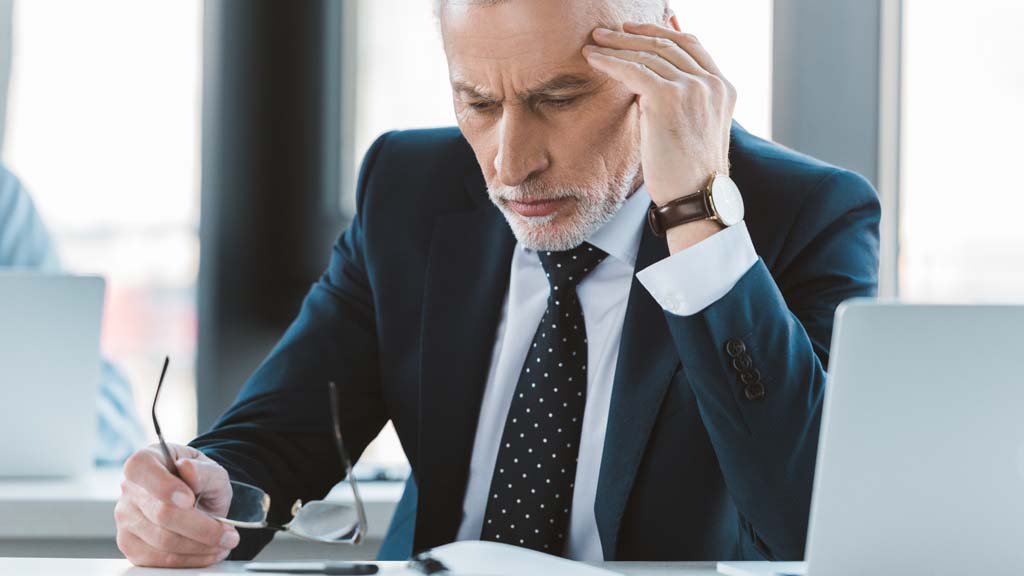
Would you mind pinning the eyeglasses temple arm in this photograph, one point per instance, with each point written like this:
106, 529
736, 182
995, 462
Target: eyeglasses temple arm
346, 462
156, 424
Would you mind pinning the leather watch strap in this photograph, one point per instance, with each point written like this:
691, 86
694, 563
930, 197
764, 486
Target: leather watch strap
678, 212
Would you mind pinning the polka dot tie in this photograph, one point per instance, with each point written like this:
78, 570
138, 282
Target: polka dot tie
532, 486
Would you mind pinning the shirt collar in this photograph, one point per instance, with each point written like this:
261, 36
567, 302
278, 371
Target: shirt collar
620, 236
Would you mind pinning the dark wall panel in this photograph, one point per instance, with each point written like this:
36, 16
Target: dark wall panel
270, 178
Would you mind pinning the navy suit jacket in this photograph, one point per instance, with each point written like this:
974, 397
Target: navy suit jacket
404, 319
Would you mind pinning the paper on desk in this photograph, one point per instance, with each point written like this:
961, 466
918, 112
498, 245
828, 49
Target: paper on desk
495, 559
762, 568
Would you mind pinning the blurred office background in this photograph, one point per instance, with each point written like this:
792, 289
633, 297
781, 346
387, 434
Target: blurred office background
202, 155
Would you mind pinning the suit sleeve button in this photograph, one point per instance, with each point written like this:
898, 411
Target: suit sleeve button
754, 391
734, 347
742, 363
750, 378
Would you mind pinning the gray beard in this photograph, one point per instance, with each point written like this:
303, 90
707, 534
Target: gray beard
593, 210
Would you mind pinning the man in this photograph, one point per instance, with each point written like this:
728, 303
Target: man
560, 377
25, 244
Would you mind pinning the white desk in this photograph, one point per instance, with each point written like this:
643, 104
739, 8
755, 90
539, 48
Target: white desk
75, 518
93, 567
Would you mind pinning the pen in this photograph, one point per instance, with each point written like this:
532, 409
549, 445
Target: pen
330, 568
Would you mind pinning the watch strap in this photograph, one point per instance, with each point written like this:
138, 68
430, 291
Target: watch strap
678, 212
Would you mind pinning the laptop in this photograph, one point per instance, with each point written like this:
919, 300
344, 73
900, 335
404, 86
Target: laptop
921, 456
49, 372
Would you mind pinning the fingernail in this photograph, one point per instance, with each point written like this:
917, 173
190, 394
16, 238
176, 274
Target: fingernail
181, 500
223, 555
229, 539
602, 31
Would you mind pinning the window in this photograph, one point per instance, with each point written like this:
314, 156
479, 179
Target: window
961, 112
742, 48
103, 129
399, 46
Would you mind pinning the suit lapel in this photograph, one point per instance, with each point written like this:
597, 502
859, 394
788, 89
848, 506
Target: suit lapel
467, 276
647, 361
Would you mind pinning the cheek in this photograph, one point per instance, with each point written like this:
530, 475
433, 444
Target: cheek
596, 132
618, 121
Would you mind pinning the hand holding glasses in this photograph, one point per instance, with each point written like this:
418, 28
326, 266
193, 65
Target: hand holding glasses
319, 521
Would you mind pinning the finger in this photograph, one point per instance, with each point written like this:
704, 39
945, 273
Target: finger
667, 48
688, 42
635, 76
188, 522
146, 468
142, 554
130, 518
655, 62
210, 482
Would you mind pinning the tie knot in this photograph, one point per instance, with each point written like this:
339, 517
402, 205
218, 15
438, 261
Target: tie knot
569, 267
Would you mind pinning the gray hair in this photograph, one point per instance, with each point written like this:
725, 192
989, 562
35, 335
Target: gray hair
622, 10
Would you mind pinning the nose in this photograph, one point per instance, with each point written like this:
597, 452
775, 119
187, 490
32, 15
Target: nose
522, 153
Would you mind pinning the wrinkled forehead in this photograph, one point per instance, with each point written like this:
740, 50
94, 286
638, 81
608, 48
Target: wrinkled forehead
522, 39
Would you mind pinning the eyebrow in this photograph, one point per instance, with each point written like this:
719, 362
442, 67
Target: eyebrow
559, 83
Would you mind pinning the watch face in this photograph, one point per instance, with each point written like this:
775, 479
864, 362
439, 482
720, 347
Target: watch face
726, 200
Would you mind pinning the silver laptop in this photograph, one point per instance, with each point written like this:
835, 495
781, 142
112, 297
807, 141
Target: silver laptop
921, 459
921, 456
49, 372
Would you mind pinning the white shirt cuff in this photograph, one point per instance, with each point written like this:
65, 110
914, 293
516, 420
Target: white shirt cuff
693, 279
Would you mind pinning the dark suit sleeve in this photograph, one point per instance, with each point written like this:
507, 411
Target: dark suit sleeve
277, 434
767, 446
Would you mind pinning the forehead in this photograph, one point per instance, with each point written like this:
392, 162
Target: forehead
518, 41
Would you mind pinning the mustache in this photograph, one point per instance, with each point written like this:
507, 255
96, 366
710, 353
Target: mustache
532, 192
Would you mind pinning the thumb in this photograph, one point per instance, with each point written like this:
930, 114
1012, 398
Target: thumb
210, 483
181, 451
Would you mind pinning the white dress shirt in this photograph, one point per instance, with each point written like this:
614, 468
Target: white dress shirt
684, 283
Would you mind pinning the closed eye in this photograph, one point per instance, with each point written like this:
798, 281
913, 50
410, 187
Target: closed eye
482, 106
559, 102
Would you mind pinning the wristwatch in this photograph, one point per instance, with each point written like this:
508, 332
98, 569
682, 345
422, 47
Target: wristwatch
720, 200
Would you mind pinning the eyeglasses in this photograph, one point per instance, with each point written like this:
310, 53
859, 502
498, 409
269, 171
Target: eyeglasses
319, 521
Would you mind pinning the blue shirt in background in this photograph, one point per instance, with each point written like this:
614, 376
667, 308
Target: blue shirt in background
25, 243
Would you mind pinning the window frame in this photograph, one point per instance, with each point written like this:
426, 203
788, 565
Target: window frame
812, 103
